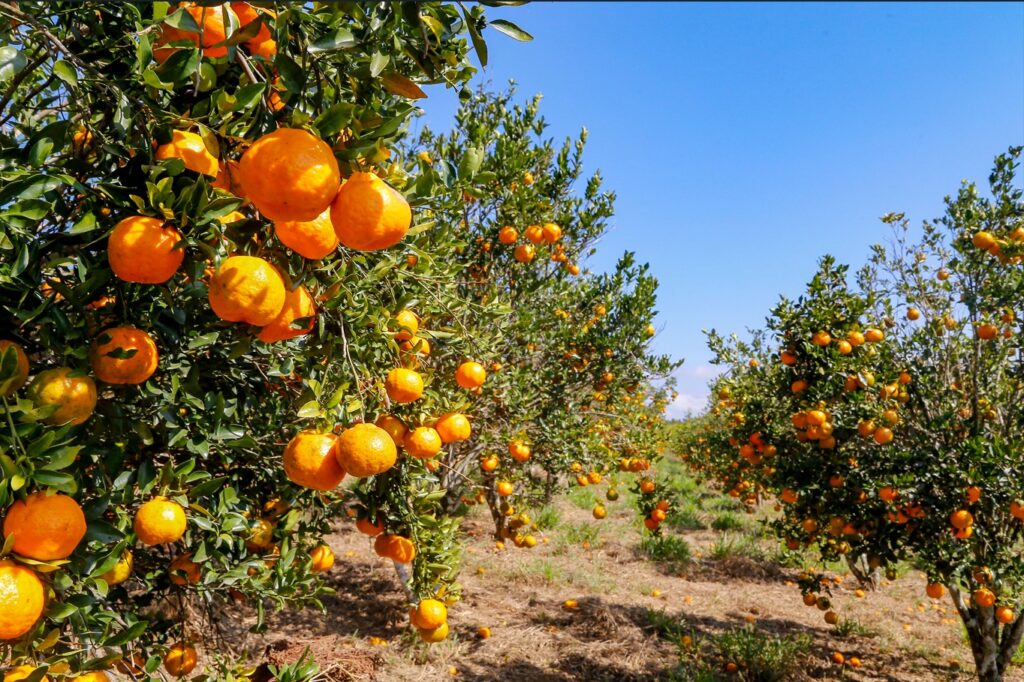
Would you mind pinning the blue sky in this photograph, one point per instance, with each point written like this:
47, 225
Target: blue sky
746, 140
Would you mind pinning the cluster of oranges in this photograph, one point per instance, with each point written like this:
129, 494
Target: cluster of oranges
536, 236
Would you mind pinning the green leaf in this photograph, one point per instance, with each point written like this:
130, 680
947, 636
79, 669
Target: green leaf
11, 62
511, 30
293, 77
334, 119
128, 635
377, 63
309, 410
474, 34
340, 39
39, 151
64, 71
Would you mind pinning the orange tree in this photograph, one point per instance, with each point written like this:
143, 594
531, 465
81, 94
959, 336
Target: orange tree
571, 389
892, 409
206, 361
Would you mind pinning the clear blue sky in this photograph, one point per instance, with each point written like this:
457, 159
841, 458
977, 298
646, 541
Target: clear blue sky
744, 141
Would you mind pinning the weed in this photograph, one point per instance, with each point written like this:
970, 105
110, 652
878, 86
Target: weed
671, 550
728, 520
547, 518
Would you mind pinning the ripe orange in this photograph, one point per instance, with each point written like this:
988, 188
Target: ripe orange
423, 442
310, 461
247, 289
190, 148
821, 338
429, 614
434, 636
160, 521
1005, 615
844, 347
504, 488
408, 324
883, 435
366, 450
312, 239
935, 590
121, 571
22, 599
599, 512
913, 314
508, 235
22, 672
470, 375
1017, 509
74, 396
395, 547
262, 43
210, 19
404, 385
229, 179
290, 174
524, 253
180, 659
11, 385
984, 240
647, 486
489, 463
535, 233
143, 250
855, 338
94, 676
519, 450
483, 632
367, 527
298, 305
987, 331
551, 232
322, 559
394, 427
973, 494
453, 427
961, 519
787, 357
984, 597
124, 355
45, 527
368, 214
184, 571
874, 335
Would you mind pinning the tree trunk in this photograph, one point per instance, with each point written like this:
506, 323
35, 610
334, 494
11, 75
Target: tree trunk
865, 575
992, 652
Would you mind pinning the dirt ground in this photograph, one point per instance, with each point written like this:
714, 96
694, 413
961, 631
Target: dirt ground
901, 636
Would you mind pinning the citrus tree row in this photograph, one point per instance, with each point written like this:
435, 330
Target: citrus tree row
237, 307
884, 414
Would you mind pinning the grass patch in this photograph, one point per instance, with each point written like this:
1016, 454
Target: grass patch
724, 503
583, 498
547, 518
731, 546
686, 517
670, 550
727, 520
852, 627
573, 535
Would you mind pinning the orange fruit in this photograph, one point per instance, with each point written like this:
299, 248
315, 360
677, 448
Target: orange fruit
883, 435
490, 463
366, 450
210, 19
247, 289
504, 488
22, 599
94, 676
1017, 509
74, 396
551, 233
261, 535
229, 179
913, 314
434, 636
987, 331
453, 427
143, 250
123, 355
368, 214
429, 614
290, 174
1004, 614
508, 235
787, 358
160, 521
190, 148
367, 527
874, 335
983, 240
121, 571
855, 338
984, 597
973, 494
404, 385
322, 559
312, 239
395, 547
394, 427
470, 375
483, 632
45, 527
408, 324
599, 512
423, 442
20, 376
180, 659
22, 672
961, 519
262, 43
821, 338
298, 305
935, 590
524, 253
535, 234
310, 461
519, 450
184, 571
